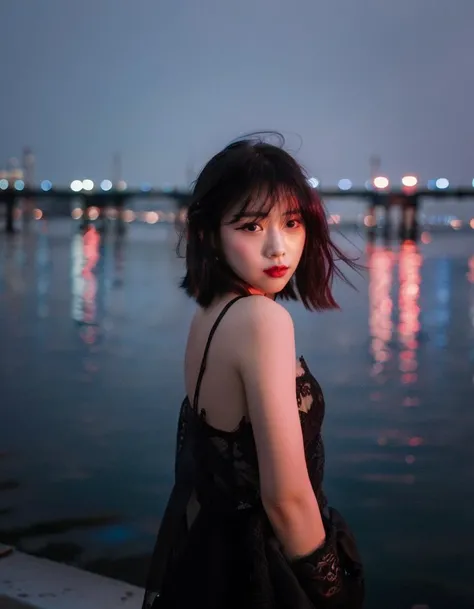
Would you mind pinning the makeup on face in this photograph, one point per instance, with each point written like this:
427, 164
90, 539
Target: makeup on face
264, 248
276, 272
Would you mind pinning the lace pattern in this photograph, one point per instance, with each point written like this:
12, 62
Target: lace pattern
230, 458
321, 571
333, 574
215, 518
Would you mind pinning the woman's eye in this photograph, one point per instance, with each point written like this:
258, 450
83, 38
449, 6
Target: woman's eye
293, 223
251, 227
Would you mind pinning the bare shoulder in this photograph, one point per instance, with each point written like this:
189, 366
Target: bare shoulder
259, 317
262, 332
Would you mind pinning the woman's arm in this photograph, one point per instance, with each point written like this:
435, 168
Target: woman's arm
266, 360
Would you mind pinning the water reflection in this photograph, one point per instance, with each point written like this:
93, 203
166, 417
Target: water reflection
443, 297
43, 272
380, 262
93, 329
84, 258
409, 264
470, 273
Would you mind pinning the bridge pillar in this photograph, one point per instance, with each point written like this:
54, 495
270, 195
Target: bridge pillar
387, 224
120, 221
409, 221
9, 213
374, 202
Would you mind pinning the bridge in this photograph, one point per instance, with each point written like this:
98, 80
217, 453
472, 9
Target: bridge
117, 198
407, 198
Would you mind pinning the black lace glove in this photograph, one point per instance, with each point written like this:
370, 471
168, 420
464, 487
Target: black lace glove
332, 575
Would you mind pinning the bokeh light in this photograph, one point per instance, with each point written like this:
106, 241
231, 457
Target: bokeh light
442, 183
76, 185
381, 182
93, 213
409, 181
344, 184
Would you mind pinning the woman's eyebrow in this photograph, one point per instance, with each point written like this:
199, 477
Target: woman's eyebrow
249, 214
262, 214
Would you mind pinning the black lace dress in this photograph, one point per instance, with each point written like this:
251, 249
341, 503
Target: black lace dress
216, 548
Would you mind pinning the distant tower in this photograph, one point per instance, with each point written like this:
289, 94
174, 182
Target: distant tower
117, 169
375, 165
28, 167
14, 171
118, 184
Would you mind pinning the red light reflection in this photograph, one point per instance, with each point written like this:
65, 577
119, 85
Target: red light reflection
410, 261
380, 305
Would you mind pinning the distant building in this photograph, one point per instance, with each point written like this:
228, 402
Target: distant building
16, 170
12, 171
28, 167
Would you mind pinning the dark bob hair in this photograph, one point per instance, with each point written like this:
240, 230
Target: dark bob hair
247, 172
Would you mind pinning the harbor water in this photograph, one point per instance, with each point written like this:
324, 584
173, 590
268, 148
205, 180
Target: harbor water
92, 333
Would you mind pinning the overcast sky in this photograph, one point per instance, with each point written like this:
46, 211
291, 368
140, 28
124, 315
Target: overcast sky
169, 82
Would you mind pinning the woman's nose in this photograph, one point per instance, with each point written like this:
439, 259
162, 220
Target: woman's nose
275, 246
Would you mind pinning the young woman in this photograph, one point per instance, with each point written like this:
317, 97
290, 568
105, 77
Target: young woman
247, 525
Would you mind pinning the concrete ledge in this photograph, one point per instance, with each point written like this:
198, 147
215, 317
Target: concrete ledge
44, 584
8, 603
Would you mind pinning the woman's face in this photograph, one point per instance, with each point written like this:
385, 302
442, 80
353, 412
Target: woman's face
264, 249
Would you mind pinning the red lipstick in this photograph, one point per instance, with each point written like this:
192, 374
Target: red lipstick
276, 271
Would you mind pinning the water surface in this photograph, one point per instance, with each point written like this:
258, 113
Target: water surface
92, 334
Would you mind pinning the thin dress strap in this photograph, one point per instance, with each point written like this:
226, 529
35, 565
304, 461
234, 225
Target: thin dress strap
208, 344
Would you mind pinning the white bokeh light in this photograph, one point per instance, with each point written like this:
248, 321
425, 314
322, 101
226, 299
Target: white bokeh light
106, 185
409, 181
381, 182
87, 184
76, 185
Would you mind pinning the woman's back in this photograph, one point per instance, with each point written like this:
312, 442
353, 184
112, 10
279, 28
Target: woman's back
221, 393
225, 421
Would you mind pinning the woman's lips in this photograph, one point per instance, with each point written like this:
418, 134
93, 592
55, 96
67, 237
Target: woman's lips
276, 271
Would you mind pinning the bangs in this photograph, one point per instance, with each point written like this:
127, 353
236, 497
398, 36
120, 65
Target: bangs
257, 192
